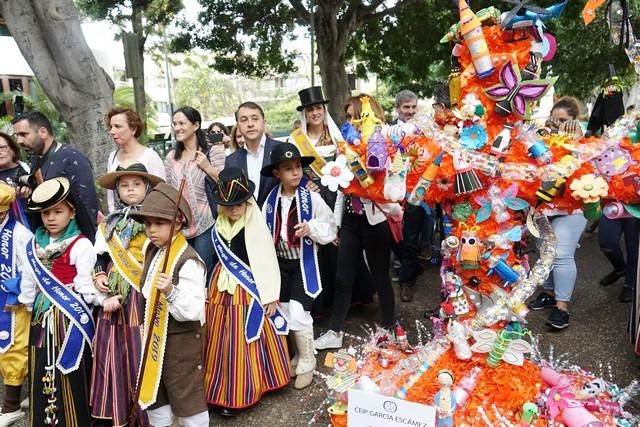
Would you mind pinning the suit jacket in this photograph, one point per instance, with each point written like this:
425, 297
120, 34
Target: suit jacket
238, 159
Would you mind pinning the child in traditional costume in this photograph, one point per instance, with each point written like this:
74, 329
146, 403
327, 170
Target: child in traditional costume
14, 317
58, 285
246, 353
170, 377
118, 344
299, 220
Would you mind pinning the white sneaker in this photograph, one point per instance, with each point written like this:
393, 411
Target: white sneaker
330, 339
10, 418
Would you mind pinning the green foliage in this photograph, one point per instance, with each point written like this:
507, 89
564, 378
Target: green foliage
204, 90
123, 97
247, 36
37, 101
156, 12
280, 113
410, 55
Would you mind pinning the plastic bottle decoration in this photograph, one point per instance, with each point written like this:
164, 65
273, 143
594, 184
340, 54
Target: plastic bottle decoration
350, 134
531, 71
469, 252
376, 151
536, 147
466, 385
447, 225
615, 210
401, 337
614, 161
429, 175
502, 141
395, 181
504, 270
590, 189
515, 96
471, 32
550, 189
445, 400
458, 337
505, 345
459, 301
455, 88
357, 168
467, 180
529, 413
367, 121
428, 355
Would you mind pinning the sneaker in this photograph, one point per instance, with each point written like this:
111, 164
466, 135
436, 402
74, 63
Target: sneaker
11, 418
626, 295
24, 405
558, 319
330, 339
544, 300
406, 293
611, 278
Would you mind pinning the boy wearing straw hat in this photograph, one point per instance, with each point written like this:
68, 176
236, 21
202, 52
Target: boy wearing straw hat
171, 380
14, 317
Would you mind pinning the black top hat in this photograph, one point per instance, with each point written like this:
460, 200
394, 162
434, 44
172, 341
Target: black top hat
232, 187
311, 96
282, 152
48, 194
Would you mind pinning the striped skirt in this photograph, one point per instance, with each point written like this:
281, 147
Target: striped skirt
117, 350
237, 374
72, 389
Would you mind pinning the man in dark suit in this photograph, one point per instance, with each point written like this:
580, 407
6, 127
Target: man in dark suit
255, 154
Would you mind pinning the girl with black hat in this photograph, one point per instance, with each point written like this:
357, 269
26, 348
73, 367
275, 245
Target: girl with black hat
119, 243
246, 353
58, 285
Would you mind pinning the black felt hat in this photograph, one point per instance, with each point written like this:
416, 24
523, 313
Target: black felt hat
311, 96
282, 152
232, 187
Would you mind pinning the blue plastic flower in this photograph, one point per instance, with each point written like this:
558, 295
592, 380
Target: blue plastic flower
473, 137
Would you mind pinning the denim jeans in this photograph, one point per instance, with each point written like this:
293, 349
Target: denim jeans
562, 280
203, 245
609, 233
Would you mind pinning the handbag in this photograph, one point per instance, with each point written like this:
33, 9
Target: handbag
395, 225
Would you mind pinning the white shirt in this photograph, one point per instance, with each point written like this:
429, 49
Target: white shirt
322, 226
254, 165
189, 303
83, 257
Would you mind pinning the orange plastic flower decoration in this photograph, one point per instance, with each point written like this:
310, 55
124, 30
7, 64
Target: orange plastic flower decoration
589, 188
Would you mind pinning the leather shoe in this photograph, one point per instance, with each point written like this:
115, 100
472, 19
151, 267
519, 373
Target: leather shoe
227, 412
626, 295
406, 293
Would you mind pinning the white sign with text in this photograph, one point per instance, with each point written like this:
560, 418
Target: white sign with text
368, 409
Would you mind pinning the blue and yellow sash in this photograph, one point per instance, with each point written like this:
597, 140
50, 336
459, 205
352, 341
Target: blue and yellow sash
9, 286
243, 275
81, 328
308, 254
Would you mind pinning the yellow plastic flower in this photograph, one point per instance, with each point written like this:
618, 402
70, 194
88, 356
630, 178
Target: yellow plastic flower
589, 188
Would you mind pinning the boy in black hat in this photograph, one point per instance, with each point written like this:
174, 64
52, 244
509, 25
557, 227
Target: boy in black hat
299, 220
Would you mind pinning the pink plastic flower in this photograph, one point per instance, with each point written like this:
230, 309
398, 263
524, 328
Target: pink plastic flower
336, 174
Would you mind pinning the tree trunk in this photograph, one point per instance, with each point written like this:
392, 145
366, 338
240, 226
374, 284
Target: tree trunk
49, 36
138, 82
332, 38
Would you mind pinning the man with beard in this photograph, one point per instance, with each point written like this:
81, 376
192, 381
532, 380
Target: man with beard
52, 159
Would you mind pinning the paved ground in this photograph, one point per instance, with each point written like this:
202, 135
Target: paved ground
596, 339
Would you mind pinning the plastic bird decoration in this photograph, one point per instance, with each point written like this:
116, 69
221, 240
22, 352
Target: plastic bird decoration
524, 17
515, 95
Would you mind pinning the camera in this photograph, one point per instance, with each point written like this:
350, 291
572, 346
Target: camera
25, 179
215, 138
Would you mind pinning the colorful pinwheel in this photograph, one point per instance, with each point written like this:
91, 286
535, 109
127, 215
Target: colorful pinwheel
513, 95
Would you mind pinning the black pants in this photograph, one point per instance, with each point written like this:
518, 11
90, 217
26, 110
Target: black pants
357, 235
412, 225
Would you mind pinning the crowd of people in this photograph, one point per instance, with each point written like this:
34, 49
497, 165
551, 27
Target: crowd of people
199, 287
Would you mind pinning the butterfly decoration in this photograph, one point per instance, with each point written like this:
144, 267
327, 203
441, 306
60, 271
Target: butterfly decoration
505, 239
498, 202
506, 345
513, 95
